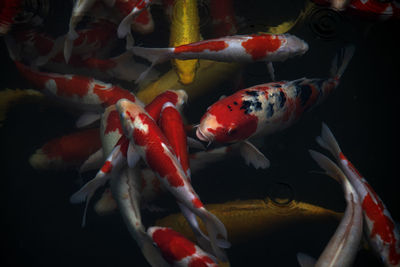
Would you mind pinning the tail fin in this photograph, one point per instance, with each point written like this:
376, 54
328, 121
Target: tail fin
328, 141
214, 228
330, 168
154, 55
340, 62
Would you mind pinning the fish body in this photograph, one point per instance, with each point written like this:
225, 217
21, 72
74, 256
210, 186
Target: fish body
266, 108
381, 229
66, 151
342, 248
177, 250
184, 29
125, 25
246, 220
81, 92
9, 11
238, 48
143, 22
154, 148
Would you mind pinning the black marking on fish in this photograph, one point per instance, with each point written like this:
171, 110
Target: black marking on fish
270, 110
235, 103
304, 91
251, 106
230, 108
282, 99
252, 93
277, 85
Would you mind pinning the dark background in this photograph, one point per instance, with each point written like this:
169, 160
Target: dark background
40, 227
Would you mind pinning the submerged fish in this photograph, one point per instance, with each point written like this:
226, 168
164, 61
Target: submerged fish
265, 109
249, 219
9, 11
345, 242
184, 30
381, 230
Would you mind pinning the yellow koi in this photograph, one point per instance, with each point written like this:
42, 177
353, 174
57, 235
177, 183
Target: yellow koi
249, 219
209, 75
184, 30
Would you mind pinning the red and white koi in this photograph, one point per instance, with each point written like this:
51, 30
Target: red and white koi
125, 25
179, 251
238, 48
154, 148
370, 9
9, 11
344, 244
66, 151
265, 109
82, 92
381, 229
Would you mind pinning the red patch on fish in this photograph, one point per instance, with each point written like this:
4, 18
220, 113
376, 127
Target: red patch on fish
113, 123
197, 203
350, 165
143, 18
173, 245
107, 167
383, 226
8, 12
260, 45
197, 47
154, 107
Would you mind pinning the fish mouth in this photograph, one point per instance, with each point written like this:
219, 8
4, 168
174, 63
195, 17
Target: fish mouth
202, 136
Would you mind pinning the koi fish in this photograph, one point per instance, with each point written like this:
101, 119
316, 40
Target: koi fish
381, 229
153, 147
246, 220
184, 30
177, 250
82, 92
344, 244
124, 189
209, 74
9, 10
125, 25
238, 48
265, 109
66, 151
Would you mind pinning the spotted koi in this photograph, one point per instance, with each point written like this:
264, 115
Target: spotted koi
151, 144
379, 225
267, 108
179, 251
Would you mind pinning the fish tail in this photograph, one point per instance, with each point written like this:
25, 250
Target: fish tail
340, 62
154, 55
305, 260
328, 141
214, 228
330, 168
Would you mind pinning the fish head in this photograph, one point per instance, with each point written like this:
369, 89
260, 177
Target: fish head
227, 121
129, 113
294, 46
186, 70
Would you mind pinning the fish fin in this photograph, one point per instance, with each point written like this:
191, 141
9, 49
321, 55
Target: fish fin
87, 118
221, 97
253, 156
132, 156
69, 44
340, 61
193, 143
271, 70
86, 192
330, 168
214, 228
305, 260
93, 162
154, 55
106, 204
201, 238
328, 141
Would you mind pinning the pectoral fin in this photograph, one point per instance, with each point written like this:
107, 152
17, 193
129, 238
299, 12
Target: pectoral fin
305, 260
253, 156
87, 118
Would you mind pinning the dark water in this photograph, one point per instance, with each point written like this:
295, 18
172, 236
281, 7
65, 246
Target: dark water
40, 227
